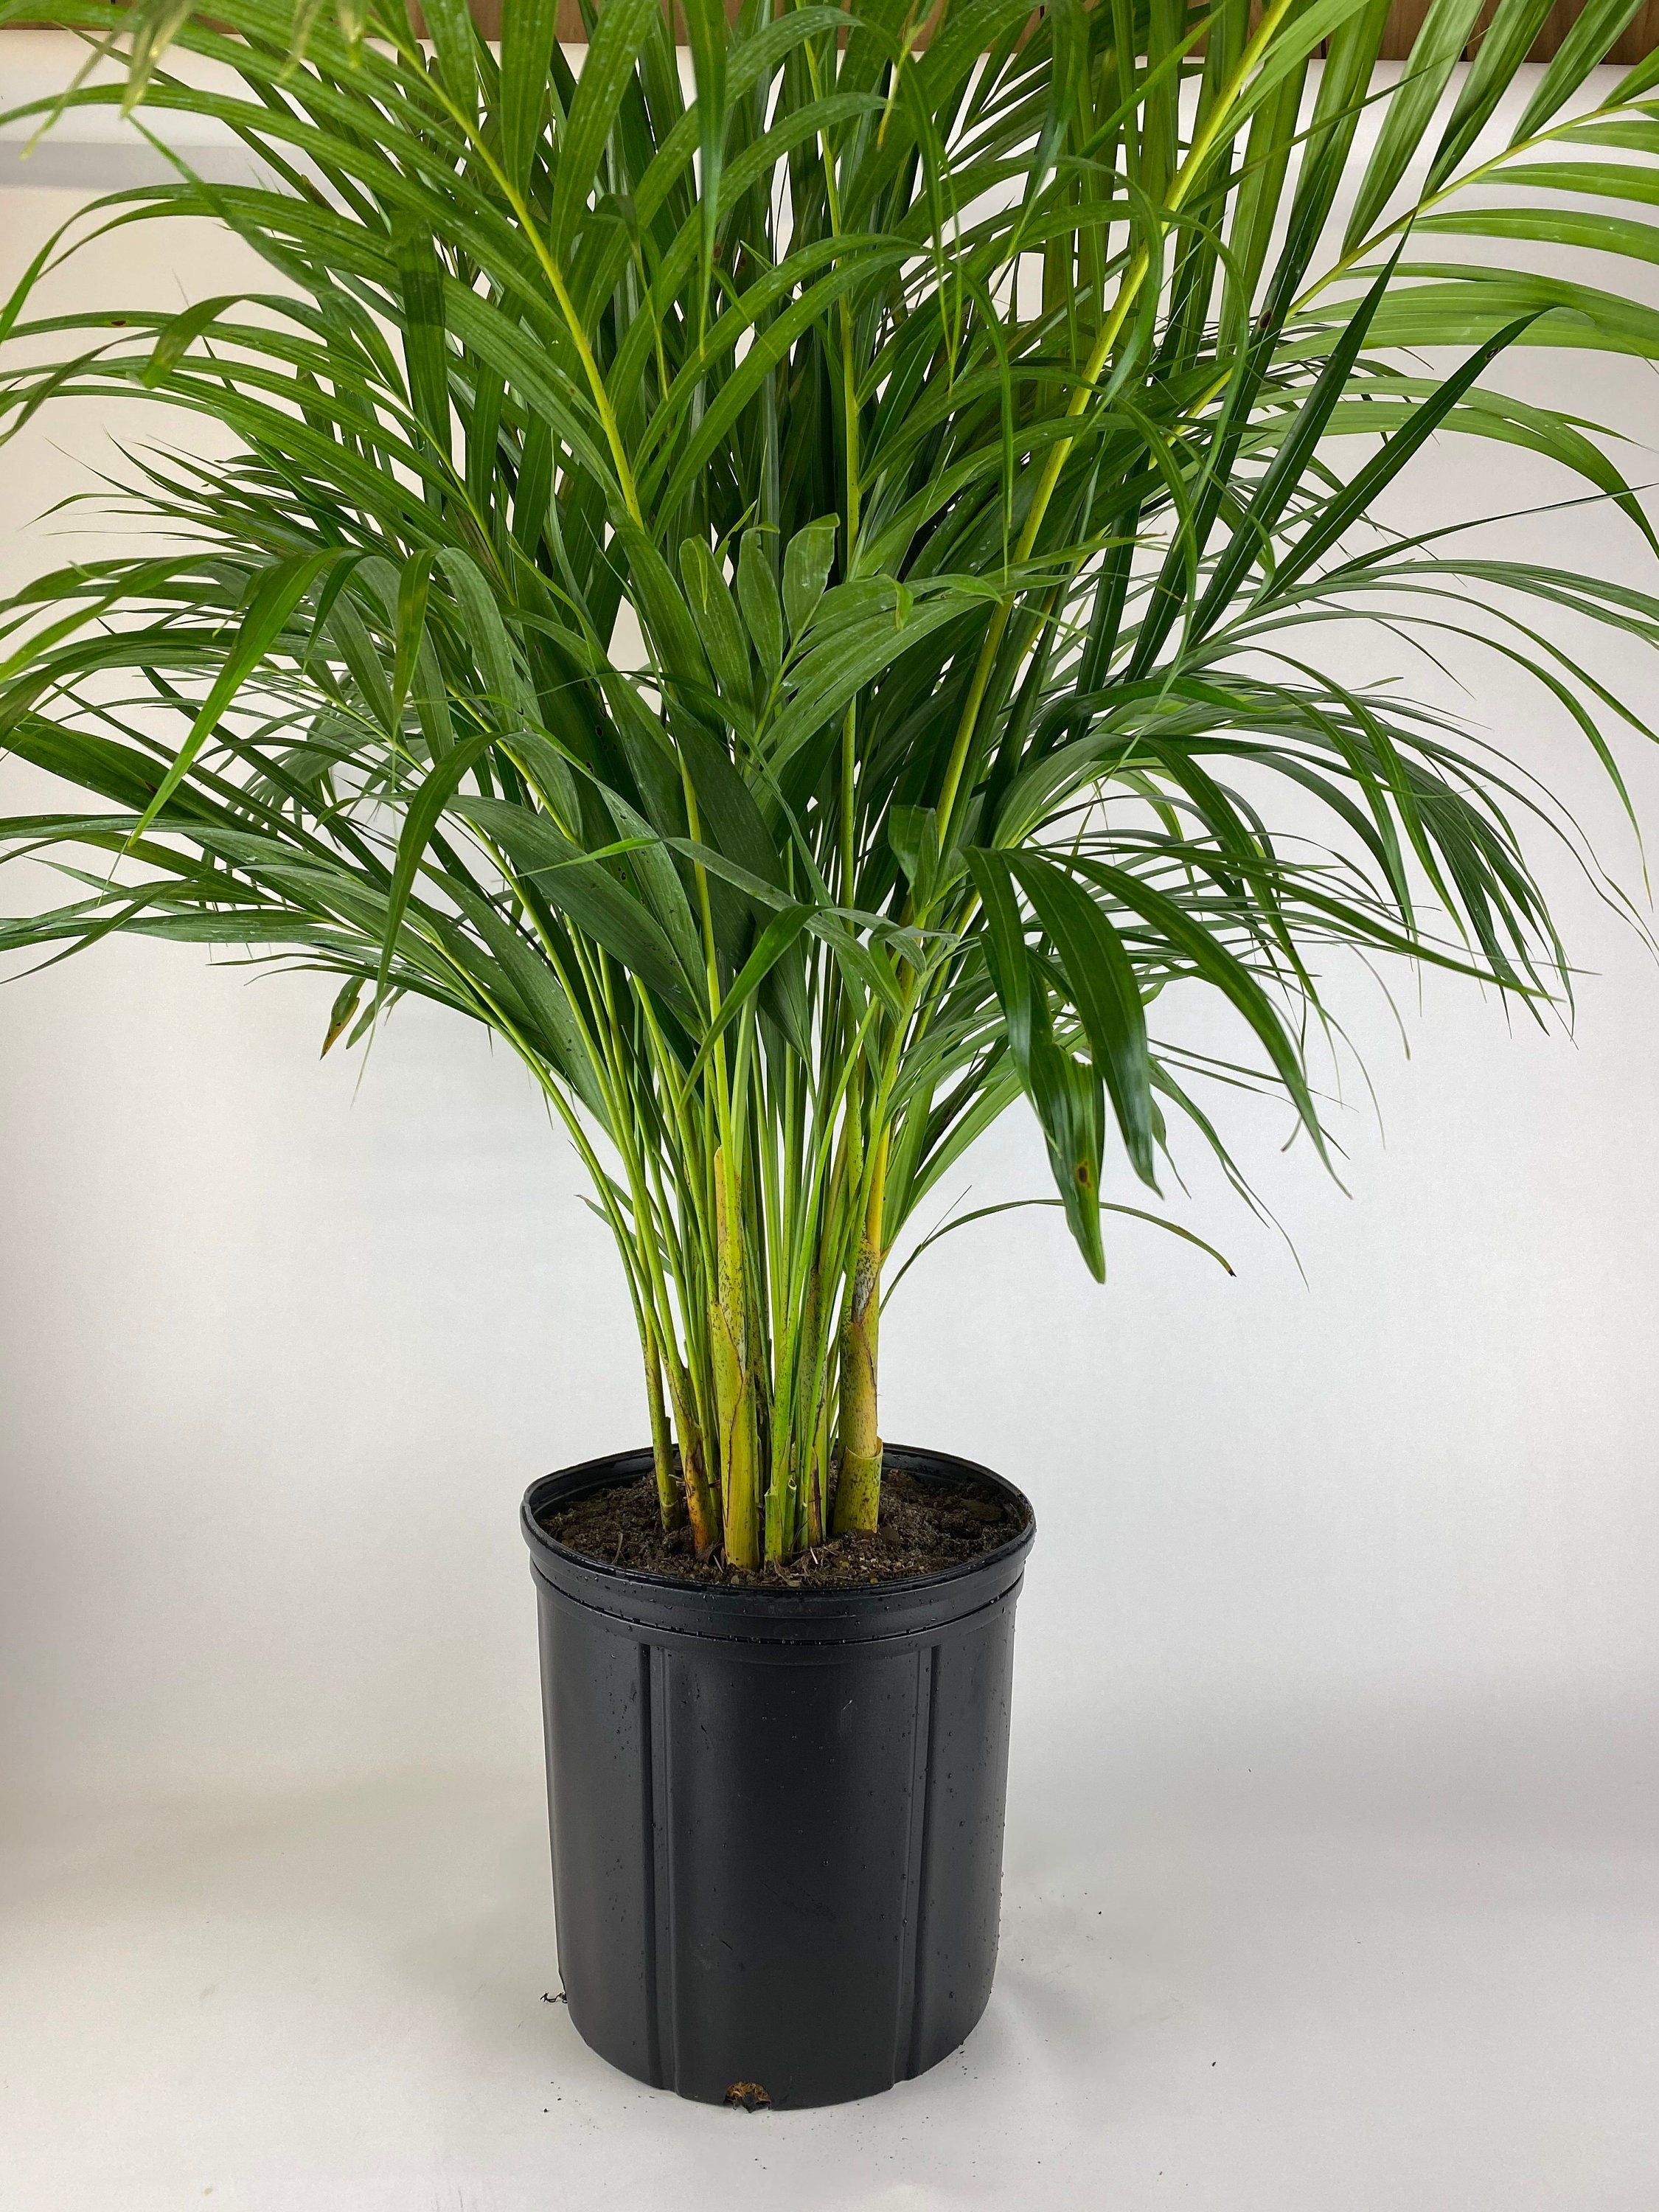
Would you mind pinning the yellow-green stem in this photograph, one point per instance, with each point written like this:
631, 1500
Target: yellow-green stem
702, 1501
670, 1502
816, 1440
734, 1382
818, 1476
858, 1487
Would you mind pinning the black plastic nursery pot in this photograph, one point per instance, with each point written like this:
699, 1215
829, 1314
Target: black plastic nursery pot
776, 1814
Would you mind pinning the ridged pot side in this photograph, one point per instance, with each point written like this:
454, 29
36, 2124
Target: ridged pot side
776, 1814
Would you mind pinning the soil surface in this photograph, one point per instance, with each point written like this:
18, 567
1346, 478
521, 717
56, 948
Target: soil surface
923, 1527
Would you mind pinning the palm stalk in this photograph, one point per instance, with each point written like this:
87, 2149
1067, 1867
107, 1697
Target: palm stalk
785, 590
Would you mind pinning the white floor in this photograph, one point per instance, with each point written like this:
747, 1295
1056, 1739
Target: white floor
337, 2001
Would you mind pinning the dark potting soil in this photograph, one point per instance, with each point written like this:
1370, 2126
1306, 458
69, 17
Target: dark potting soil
923, 1527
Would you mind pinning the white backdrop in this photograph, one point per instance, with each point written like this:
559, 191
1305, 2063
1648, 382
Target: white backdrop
1369, 1557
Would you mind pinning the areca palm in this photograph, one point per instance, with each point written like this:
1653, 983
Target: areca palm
779, 589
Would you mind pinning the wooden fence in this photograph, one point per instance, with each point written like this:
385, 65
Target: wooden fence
1640, 37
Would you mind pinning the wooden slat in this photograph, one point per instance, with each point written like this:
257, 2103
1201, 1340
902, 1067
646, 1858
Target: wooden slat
1405, 21
1640, 37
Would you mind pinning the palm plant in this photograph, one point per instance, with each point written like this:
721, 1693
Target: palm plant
774, 592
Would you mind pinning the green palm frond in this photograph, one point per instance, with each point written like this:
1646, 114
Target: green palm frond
789, 591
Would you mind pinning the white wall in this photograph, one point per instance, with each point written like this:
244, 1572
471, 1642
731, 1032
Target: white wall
280, 1348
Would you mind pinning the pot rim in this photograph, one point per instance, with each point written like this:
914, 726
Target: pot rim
893, 1607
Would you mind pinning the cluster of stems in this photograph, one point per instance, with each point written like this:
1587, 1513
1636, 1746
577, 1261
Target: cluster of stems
749, 1219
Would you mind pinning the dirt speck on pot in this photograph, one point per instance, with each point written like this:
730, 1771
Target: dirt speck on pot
923, 1529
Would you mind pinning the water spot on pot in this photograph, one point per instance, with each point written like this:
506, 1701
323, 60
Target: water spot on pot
748, 2097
